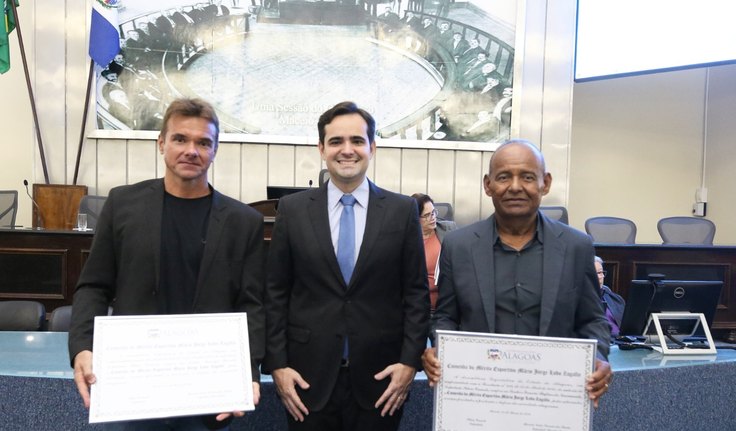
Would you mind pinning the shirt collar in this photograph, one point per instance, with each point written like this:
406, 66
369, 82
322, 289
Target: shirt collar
360, 194
538, 234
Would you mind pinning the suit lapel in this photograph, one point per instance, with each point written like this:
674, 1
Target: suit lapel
482, 250
153, 208
320, 223
373, 223
215, 226
553, 262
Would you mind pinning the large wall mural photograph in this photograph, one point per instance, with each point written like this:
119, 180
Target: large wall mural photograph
428, 70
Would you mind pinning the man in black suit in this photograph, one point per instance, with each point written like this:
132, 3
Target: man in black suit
518, 272
173, 246
347, 312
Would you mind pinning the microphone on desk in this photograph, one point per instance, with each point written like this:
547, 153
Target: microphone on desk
310, 184
39, 223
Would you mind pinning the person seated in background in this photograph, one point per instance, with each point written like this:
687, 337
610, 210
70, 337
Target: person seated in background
612, 302
433, 231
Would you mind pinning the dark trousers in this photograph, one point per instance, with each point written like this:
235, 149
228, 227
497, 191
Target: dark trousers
342, 413
189, 423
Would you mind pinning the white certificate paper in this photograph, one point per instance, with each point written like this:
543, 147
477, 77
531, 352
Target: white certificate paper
510, 382
170, 365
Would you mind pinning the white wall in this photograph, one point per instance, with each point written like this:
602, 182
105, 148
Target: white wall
637, 149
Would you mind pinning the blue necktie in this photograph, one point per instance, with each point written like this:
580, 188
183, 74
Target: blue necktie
346, 239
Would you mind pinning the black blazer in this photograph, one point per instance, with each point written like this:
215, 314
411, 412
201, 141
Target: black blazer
123, 266
309, 308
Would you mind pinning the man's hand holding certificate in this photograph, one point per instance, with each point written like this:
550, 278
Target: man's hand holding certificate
170, 365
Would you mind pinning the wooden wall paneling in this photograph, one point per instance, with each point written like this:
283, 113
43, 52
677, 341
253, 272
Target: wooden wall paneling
441, 176
307, 164
88, 166
486, 205
111, 164
142, 157
48, 59
468, 177
280, 165
77, 69
413, 171
226, 170
387, 163
254, 172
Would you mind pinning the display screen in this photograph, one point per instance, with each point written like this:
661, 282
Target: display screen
624, 37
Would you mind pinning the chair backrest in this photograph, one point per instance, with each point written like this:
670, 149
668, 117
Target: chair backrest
266, 207
60, 319
555, 213
8, 207
22, 316
686, 230
324, 175
444, 211
611, 230
92, 206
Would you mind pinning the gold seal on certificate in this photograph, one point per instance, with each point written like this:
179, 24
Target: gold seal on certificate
170, 365
512, 382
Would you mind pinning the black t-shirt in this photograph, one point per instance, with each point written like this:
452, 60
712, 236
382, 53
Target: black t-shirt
183, 237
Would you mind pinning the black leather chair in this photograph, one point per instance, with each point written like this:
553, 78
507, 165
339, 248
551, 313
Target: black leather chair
444, 211
60, 319
8, 208
22, 316
686, 230
611, 230
555, 213
92, 206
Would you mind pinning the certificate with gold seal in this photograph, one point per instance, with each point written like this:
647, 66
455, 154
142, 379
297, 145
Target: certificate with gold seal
512, 382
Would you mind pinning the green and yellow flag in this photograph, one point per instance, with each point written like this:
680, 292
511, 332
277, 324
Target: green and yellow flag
8, 25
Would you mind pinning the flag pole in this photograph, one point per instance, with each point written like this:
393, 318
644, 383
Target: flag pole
84, 119
14, 8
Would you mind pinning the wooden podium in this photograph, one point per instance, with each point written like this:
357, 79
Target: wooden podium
58, 203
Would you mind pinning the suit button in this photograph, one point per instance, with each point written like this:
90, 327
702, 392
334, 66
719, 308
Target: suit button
518, 315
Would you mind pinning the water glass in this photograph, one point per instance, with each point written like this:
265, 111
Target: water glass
81, 221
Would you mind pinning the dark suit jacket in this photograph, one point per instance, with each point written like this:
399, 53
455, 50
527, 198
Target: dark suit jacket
309, 309
123, 266
615, 303
570, 300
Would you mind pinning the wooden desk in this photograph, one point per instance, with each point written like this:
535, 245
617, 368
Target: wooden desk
42, 265
678, 262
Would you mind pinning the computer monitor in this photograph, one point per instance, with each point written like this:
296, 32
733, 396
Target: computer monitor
657, 295
278, 192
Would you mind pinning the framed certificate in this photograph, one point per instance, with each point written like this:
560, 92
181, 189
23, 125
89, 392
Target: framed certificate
512, 382
170, 365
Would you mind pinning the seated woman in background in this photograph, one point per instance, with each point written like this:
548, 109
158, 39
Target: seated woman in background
613, 303
434, 231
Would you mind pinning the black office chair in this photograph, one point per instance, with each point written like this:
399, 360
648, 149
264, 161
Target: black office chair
8, 207
22, 316
60, 319
92, 206
444, 211
611, 230
686, 230
555, 213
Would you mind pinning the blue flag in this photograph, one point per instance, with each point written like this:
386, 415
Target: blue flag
104, 39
